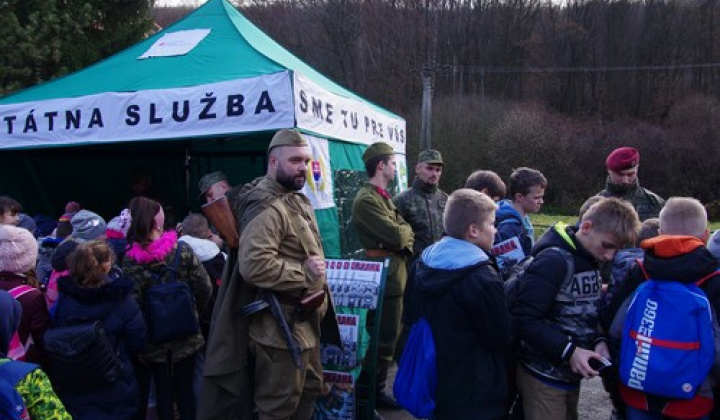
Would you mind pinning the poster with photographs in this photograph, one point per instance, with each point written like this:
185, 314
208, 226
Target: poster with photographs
347, 356
354, 283
508, 253
339, 402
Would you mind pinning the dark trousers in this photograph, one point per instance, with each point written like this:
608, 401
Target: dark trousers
174, 384
142, 374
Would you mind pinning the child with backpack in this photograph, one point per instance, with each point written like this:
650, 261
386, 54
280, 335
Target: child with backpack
171, 362
556, 314
679, 273
515, 232
455, 286
18, 254
98, 384
25, 391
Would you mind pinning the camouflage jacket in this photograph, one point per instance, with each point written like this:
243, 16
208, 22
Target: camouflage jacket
141, 262
422, 206
646, 203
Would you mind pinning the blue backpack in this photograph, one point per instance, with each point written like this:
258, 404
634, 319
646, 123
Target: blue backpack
668, 346
12, 405
416, 379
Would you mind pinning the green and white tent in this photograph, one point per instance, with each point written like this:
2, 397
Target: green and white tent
205, 94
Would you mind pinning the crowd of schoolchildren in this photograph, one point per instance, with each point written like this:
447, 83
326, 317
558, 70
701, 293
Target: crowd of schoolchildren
503, 351
608, 296
72, 293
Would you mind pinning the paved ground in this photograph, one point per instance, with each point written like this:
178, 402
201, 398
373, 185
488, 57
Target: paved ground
594, 403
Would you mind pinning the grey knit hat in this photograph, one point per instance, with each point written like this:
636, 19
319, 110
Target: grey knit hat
87, 226
18, 249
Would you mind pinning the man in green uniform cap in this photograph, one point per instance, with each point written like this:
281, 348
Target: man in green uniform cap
383, 233
280, 254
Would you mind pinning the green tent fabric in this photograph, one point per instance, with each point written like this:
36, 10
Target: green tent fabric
234, 49
48, 162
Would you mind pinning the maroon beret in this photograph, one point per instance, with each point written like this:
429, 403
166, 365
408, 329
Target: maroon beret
622, 158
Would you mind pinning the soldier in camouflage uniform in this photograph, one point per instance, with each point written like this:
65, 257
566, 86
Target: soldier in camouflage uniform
622, 182
422, 205
384, 233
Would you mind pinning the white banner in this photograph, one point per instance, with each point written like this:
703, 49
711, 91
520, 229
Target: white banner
237, 106
325, 113
319, 186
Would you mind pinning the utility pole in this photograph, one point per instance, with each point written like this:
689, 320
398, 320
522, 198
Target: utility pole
427, 75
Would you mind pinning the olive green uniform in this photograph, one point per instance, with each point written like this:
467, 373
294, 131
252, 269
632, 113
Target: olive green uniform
380, 226
273, 248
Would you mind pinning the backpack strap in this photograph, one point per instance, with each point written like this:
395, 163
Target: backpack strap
21, 290
642, 267
706, 278
13, 371
567, 256
178, 253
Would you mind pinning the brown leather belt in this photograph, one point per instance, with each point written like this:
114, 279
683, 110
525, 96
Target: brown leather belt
379, 253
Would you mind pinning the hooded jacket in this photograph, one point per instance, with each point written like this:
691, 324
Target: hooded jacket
677, 258
555, 314
35, 387
112, 304
509, 223
456, 287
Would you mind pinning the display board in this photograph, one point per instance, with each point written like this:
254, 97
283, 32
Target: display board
357, 287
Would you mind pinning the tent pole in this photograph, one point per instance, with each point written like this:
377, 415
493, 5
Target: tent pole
187, 178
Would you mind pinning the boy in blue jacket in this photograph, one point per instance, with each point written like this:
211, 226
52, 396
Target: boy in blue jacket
526, 189
455, 285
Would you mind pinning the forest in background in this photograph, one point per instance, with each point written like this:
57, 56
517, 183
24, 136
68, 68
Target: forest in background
554, 86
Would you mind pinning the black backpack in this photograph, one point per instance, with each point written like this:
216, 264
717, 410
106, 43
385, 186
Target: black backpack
169, 305
82, 356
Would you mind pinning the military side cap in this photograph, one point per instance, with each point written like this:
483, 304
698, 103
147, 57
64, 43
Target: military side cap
377, 149
430, 156
287, 138
208, 180
622, 158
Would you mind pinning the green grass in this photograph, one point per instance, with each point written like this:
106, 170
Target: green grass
543, 221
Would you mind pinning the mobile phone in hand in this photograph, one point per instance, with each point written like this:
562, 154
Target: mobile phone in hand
599, 364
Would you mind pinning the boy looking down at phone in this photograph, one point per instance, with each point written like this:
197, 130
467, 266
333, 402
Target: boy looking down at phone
557, 313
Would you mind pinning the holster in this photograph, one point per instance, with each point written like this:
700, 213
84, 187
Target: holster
303, 306
218, 212
309, 304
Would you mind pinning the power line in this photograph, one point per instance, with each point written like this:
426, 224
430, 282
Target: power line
582, 69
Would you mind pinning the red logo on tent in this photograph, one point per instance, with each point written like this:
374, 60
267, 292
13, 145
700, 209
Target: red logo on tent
316, 170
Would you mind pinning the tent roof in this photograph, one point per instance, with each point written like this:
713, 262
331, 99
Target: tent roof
234, 49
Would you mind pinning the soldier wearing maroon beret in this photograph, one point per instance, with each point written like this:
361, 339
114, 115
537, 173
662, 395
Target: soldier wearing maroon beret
622, 182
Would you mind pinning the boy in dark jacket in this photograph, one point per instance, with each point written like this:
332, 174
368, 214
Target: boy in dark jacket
456, 287
557, 314
679, 253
